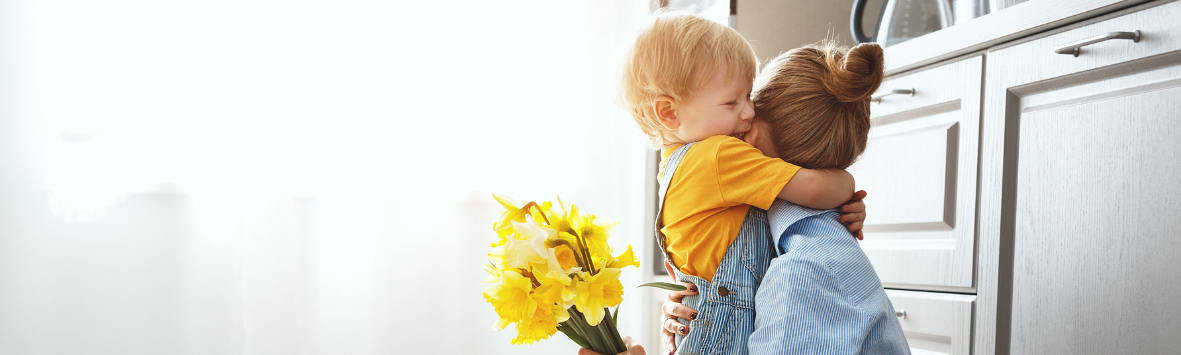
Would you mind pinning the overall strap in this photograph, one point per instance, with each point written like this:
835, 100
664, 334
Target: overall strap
670, 168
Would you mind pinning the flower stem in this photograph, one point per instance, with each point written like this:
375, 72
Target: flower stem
586, 250
534, 205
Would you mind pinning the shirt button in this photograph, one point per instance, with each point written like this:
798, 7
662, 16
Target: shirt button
722, 291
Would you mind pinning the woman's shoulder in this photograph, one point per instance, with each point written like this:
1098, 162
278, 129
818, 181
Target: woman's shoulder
842, 259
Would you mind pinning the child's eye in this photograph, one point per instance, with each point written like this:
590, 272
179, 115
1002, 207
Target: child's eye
732, 103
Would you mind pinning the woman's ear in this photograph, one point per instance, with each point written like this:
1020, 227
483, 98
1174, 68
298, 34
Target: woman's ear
759, 136
665, 110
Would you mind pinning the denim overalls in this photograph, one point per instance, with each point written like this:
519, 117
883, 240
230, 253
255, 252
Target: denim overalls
725, 306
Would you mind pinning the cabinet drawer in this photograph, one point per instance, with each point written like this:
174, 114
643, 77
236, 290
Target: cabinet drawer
934, 323
1160, 33
920, 171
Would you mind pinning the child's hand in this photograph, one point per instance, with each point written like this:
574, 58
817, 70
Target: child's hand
853, 214
632, 348
673, 309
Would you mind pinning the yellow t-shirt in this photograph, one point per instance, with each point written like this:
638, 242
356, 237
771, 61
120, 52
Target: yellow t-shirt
711, 191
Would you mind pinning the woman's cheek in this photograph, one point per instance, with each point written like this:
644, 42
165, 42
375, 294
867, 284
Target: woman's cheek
767, 146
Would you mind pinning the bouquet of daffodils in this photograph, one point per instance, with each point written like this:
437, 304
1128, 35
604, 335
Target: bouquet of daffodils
551, 270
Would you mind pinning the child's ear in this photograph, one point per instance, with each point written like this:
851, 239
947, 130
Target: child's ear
666, 112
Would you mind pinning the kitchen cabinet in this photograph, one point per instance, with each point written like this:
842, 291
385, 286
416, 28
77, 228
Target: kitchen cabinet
920, 166
1065, 184
1083, 154
934, 323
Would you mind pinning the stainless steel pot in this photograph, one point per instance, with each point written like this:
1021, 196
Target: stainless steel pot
902, 20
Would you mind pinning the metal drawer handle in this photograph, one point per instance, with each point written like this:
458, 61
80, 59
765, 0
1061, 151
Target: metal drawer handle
1073, 47
878, 99
901, 314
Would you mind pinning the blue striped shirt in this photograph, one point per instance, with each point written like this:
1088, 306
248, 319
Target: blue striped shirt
821, 295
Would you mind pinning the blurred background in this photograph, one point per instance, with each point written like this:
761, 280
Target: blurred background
297, 177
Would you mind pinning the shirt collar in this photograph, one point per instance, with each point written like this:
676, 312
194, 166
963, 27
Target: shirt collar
782, 215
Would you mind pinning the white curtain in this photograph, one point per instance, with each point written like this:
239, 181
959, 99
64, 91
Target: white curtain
296, 177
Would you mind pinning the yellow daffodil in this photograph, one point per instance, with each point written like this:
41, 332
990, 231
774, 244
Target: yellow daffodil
596, 231
547, 260
628, 258
512, 212
511, 297
566, 257
498, 257
493, 275
527, 248
554, 288
527, 245
543, 325
595, 293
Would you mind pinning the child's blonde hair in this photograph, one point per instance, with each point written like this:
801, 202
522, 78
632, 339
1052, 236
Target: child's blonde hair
675, 55
816, 101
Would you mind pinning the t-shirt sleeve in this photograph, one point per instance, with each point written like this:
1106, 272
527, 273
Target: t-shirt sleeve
746, 176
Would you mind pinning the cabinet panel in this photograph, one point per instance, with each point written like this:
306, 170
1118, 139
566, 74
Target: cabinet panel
934, 323
919, 168
928, 155
1082, 155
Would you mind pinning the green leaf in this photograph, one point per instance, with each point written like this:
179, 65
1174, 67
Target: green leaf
573, 335
615, 316
665, 285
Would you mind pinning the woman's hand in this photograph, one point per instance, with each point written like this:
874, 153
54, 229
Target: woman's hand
632, 348
853, 214
673, 309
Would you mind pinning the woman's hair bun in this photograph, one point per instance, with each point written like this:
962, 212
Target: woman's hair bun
855, 75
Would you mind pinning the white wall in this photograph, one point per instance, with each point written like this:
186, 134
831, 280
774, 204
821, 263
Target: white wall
276, 177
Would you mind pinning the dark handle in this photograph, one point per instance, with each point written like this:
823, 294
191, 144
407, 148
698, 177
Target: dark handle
855, 22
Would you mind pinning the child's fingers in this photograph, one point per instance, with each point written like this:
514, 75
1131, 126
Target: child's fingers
632, 347
853, 207
585, 351
860, 235
855, 227
853, 217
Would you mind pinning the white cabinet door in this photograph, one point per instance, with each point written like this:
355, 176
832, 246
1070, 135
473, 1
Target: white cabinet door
920, 171
934, 323
1081, 164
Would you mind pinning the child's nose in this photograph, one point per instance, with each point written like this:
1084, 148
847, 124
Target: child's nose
748, 113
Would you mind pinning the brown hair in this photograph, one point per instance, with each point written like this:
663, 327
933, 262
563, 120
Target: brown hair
816, 101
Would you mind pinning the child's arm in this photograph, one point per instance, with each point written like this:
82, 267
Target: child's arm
821, 189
